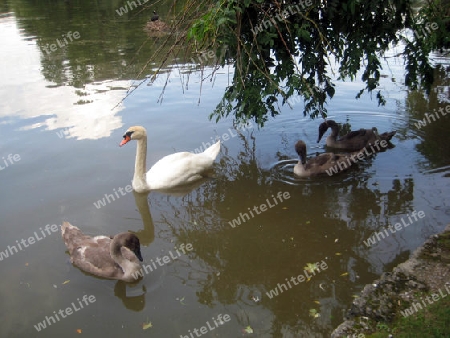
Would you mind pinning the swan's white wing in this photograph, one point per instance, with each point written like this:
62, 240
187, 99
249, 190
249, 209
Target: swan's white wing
177, 169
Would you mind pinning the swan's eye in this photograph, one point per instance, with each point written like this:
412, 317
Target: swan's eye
128, 133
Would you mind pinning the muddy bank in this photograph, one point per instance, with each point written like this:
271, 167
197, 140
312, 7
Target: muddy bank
427, 270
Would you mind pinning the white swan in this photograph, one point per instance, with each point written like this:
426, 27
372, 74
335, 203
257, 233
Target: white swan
170, 171
116, 258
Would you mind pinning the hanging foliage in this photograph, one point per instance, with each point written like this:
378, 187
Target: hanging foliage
284, 51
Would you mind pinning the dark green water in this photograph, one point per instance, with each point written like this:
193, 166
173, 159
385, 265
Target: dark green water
56, 114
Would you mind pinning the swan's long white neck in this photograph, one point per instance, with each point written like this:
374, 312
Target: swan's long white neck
140, 163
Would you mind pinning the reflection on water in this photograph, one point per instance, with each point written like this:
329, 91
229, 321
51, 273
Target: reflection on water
147, 234
131, 302
56, 113
83, 113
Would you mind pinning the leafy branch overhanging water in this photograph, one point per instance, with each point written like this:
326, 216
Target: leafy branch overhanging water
284, 52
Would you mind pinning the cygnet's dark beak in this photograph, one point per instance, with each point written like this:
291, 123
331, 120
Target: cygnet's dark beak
322, 130
138, 254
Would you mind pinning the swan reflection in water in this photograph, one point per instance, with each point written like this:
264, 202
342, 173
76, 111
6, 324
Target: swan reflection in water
131, 296
147, 234
131, 302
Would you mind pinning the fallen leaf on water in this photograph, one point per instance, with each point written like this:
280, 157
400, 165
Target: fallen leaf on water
65, 282
145, 326
317, 302
310, 267
313, 313
337, 239
344, 274
78, 330
248, 329
284, 208
338, 254
307, 222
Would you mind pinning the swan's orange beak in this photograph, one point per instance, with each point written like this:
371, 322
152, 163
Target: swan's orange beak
125, 140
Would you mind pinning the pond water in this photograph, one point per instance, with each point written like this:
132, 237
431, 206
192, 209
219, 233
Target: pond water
61, 125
